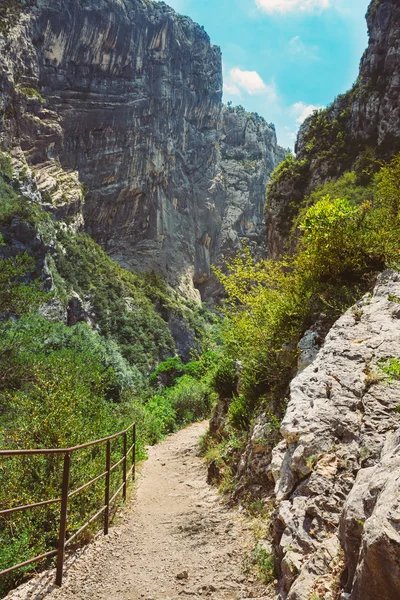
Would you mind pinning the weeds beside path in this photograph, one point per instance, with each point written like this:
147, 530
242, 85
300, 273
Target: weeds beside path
176, 539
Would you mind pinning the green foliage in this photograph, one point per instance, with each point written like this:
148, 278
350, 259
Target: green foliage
12, 205
163, 417
265, 564
291, 168
349, 233
124, 311
191, 399
225, 378
265, 314
17, 298
391, 369
330, 230
204, 367
167, 372
6, 167
240, 413
346, 187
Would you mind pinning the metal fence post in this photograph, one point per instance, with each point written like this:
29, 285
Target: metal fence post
124, 465
107, 487
63, 519
134, 452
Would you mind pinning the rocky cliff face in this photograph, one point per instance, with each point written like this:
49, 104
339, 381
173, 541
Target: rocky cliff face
120, 102
334, 477
361, 125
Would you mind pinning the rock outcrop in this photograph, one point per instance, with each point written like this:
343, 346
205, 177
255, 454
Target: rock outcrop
336, 471
120, 102
357, 128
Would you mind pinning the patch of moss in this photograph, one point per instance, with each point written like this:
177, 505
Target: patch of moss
6, 167
30, 92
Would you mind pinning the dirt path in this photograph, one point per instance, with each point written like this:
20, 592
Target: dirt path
176, 539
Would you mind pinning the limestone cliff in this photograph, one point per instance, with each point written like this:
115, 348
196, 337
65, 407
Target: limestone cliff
351, 133
120, 102
340, 435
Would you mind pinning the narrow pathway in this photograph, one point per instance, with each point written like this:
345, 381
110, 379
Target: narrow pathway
176, 539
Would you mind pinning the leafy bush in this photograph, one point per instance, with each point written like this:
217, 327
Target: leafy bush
6, 167
12, 205
291, 168
349, 233
191, 399
225, 378
163, 413
17, 298
265, 563
167, 372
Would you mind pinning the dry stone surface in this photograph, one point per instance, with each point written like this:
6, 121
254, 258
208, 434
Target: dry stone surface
341, 451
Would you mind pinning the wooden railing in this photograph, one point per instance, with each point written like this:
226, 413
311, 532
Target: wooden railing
66, 494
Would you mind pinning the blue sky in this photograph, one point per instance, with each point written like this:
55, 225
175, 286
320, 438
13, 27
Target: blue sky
282, 58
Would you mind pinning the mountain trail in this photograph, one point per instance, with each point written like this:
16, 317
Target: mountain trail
175, 539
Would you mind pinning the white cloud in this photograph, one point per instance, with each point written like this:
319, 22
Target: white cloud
299, 50
301, 110
250, 82
283, 6
231, 88
290, 133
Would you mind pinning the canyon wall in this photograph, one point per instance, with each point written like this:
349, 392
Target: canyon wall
116, 107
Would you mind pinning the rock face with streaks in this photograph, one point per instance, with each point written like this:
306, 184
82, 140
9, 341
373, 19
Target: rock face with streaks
337, 471
120, 102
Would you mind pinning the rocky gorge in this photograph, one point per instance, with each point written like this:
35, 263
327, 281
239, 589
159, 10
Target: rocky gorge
116, 108
123, 181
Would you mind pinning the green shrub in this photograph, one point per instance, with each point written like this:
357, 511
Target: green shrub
12, 205
265, 564
167, 372
6, 167
190, 399
291, 168
225, 378
17, 298
349, 233
240, 413
161, 409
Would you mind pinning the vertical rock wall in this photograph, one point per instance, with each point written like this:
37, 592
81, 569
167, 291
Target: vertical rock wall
129, 100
